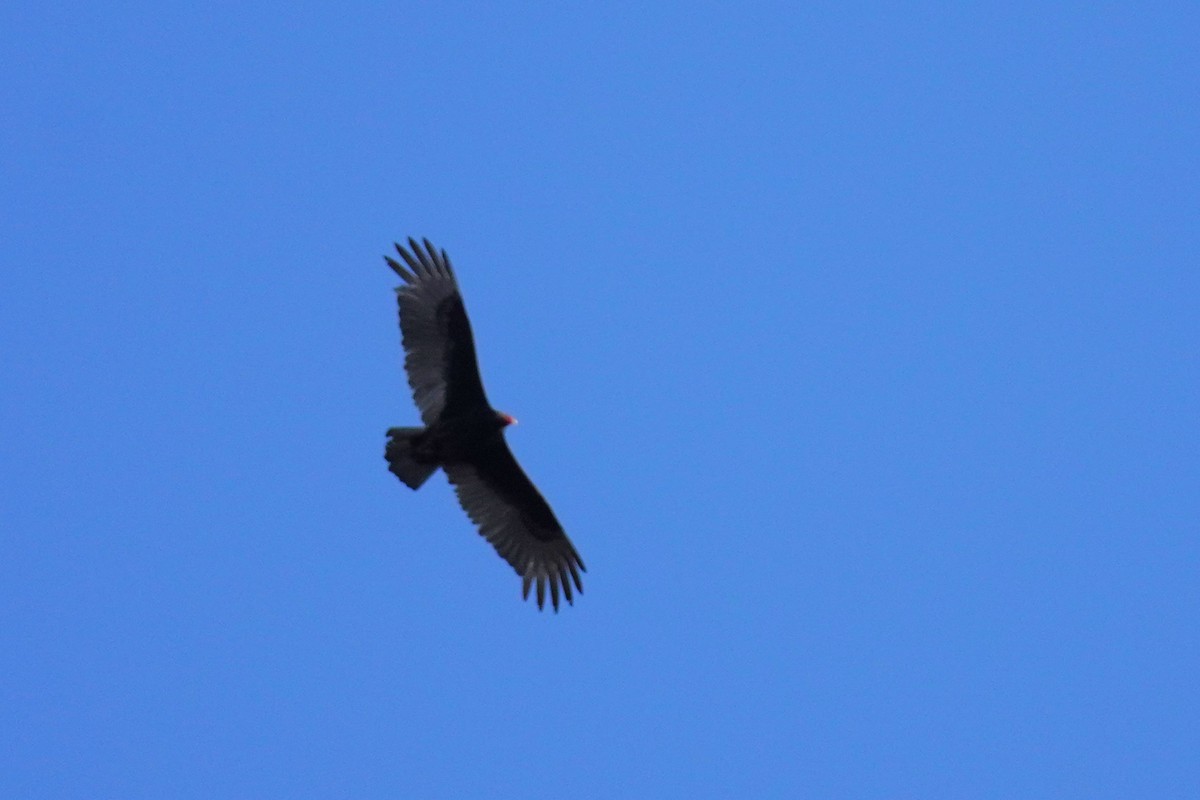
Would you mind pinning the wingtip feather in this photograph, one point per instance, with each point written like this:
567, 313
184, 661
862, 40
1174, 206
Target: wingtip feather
412, 262
404, 274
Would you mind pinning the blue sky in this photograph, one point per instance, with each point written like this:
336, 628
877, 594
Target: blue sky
855, 347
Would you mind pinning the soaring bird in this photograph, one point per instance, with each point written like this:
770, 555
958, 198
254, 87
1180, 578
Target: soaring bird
464, 435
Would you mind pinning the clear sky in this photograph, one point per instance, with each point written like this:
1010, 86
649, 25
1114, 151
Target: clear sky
856, 347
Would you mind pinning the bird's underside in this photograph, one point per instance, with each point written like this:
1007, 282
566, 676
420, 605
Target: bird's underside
464, 436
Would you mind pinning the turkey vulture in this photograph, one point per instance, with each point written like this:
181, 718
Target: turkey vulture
464, 435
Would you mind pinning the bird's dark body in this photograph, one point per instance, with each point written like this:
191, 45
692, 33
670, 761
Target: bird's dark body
464, 435
448, 442
457, 439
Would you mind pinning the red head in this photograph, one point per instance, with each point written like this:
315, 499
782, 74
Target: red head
506, 419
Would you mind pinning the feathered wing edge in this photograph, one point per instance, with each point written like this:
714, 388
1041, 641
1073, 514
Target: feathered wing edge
553, 573
428, 282
543, 557
426, 263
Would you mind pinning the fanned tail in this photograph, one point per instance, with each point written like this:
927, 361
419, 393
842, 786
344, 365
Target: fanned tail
403, 461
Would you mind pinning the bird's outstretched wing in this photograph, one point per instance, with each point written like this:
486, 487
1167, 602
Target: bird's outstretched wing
439, 349
513, 516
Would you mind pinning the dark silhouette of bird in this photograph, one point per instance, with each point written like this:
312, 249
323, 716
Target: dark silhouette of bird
464, 435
